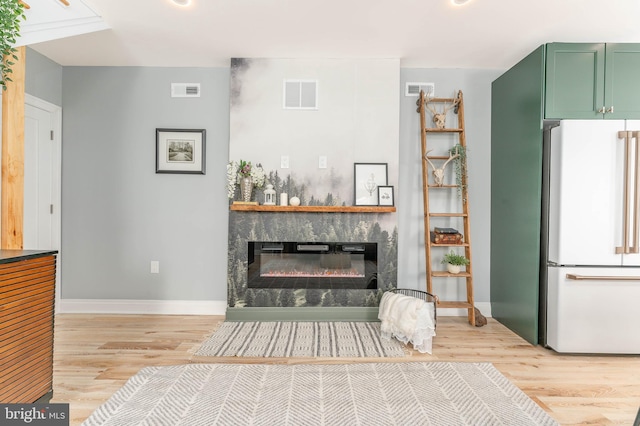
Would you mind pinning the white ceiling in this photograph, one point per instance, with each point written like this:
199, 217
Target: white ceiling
422, 33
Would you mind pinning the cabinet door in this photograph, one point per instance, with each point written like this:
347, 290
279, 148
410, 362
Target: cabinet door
574, 86
622, 84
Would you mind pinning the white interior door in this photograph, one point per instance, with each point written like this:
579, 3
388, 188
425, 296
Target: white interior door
42, 179
38, 179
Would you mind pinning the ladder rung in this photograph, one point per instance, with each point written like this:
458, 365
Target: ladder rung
429, 130
448, 214
438, 157
442, 186
445, 305
445, 274
450, 245
429, 100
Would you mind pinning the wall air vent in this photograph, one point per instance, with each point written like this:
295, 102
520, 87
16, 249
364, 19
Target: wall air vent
185, 90
413, 89
300, 94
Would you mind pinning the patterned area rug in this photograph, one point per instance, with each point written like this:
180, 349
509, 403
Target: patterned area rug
413, 393
300, 339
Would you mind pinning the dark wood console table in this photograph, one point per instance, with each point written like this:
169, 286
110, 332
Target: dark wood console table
27, 298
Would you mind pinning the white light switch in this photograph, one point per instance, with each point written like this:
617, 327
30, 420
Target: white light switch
155, 267
322, 162
284, 162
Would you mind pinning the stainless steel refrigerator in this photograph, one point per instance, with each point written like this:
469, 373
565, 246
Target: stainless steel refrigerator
590, 271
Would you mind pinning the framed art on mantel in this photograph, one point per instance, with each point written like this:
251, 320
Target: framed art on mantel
367, 177
180, 151
385, 195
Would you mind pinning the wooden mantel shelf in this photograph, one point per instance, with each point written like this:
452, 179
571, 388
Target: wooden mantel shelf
313, 209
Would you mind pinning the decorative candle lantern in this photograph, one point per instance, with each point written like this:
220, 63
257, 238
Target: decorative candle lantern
269, 196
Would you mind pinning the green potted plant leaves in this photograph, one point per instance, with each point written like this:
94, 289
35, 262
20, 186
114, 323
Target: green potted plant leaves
460, 164
454, 262
11, 13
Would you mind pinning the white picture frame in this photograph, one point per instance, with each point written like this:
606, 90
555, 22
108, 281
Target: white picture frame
367, 177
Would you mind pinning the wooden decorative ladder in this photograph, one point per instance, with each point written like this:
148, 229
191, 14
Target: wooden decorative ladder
442, 134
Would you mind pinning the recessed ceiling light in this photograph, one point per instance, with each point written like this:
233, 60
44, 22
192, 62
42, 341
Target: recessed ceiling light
459, 2
182, 2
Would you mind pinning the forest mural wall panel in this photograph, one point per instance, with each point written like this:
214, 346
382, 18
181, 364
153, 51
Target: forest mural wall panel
356, 120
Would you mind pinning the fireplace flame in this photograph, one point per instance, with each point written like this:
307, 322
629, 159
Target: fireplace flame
329, 273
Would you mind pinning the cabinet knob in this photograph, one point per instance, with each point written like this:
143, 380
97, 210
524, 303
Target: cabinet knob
610, 109
602, 110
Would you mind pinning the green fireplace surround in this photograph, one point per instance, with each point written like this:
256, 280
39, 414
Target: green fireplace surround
346, 313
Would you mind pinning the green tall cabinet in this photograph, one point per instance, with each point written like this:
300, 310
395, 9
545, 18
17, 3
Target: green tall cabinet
556, 81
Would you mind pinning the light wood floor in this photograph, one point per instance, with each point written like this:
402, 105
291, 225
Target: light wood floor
94, 355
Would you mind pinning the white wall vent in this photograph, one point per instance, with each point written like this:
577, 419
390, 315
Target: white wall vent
300, 94
185, 90
413, 89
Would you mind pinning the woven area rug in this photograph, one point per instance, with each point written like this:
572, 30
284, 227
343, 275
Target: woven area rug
300, 339
413, 393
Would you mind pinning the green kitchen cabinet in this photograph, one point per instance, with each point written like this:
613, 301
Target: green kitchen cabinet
556, 81
517, 99
592, 80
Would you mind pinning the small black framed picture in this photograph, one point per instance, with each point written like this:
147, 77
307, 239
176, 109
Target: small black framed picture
385, 195
180, 151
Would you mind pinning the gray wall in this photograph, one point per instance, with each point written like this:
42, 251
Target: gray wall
43, 78
118, 215
476, 89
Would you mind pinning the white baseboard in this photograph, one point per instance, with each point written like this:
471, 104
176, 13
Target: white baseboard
484, 307
186, 307
164, 307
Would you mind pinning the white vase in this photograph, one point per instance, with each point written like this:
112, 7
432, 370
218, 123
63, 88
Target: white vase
294, 201
246, 188
453, 269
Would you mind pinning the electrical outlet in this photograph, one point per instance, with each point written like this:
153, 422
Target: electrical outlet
155, 267
284, 162
322, 162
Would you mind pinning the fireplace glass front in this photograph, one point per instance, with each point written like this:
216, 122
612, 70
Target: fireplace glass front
312, 265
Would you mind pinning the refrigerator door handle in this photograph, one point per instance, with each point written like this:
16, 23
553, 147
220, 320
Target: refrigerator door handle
636, 213
600, 278
627, 136
635, 248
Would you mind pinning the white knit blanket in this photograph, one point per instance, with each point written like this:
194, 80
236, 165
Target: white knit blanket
408, 319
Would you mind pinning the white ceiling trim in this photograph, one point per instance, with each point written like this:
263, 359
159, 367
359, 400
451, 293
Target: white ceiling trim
48, 20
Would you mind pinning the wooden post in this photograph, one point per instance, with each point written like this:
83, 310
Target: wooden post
12, 202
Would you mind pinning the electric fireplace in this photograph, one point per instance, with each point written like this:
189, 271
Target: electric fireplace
312, 265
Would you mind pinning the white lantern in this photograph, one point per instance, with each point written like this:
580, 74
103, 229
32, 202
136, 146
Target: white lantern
269, 196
